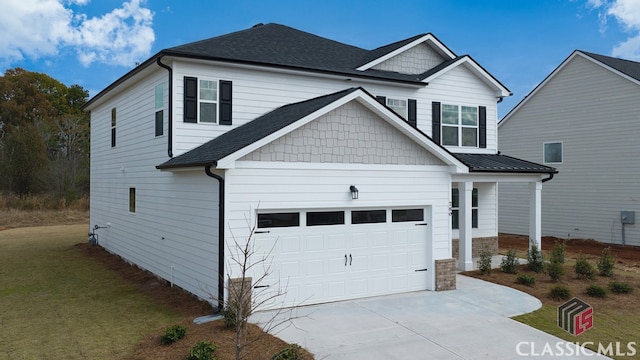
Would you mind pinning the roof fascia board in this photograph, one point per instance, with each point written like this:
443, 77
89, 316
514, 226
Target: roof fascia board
368, 101
498, 177
478, 70
439, 47
540, 86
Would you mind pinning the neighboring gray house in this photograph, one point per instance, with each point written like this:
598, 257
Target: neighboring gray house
583, 120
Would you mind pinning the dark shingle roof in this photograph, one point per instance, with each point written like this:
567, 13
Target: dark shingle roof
228, 143
283, 46
628, 67
501, 163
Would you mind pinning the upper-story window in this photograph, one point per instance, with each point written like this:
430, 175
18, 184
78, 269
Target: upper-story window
207, 101
399, 106
113, 127
459, 125
159, 101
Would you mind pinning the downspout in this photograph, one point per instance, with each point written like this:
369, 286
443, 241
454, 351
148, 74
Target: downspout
207, 169
170, 114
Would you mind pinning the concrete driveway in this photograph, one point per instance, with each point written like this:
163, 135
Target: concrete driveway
471, 322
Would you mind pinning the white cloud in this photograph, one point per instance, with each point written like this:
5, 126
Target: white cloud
42, 28
627, 14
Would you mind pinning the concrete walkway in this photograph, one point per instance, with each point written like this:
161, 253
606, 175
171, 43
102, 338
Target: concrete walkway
471, 322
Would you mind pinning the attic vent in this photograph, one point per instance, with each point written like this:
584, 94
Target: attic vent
257, 25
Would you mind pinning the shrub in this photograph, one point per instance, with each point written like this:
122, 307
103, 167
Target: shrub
291, 352
583, 268
596, 291
619, 287
484, 264
606, 263
173, 334
560, 292
510, 263
555, 270
535, 261
525, 279
202, 350
229, 317
558, 253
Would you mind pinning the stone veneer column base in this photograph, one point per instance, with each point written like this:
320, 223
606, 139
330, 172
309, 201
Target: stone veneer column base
477, 245
446, 274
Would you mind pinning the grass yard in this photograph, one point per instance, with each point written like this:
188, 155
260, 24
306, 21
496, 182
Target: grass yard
58, 304
616, 317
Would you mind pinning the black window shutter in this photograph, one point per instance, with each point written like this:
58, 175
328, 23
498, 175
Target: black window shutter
435, 121
225, 102
382, 100
190, 99
412, 113
482, 130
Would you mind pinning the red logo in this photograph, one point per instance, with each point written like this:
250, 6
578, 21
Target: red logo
575, 316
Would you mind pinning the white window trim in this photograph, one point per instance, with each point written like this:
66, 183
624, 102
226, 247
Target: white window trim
460, 126
404, 113
472, 208
544, 144
161, 108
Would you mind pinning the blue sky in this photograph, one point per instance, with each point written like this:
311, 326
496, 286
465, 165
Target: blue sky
94, 42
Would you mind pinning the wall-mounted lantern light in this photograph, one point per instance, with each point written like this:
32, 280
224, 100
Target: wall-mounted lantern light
354, 192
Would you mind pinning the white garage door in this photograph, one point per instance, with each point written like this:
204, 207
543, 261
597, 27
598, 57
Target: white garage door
321, 256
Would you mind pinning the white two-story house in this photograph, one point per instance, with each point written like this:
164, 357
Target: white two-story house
349, 170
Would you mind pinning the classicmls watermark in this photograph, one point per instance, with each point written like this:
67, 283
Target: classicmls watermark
575, 316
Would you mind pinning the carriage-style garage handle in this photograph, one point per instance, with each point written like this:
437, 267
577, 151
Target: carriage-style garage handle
350, 259
345, 259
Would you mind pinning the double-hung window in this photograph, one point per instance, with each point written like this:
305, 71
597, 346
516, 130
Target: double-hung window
207, 101
113, 127
459, 125
208, 98
399, 106
455, 208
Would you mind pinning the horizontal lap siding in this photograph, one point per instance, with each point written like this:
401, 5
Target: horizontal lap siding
293, 189
487, 212
175, 223
594, 113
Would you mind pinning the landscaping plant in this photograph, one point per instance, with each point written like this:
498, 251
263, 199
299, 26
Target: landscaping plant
583, 268
525, 279
596, 291
202, 350
619, 287
555, 270
510, 263
560, 292
558, 253
535, 261
173, 334
606, 263
291, 352
484, 264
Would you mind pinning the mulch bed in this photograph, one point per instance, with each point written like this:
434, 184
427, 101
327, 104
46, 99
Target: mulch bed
189, 307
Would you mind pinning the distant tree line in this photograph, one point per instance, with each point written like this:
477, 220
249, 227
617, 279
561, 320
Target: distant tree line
44, 136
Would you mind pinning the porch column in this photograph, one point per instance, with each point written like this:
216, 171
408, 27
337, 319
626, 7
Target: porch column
465, 262
535, 214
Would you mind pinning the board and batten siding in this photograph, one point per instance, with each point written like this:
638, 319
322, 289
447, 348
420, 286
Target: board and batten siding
256, 92
173, 232
594, 113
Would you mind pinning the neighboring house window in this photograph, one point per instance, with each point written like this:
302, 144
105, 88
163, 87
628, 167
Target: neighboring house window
132, 200
113, 127
159, 100
455, 208
553, 152
207, 101
459, 125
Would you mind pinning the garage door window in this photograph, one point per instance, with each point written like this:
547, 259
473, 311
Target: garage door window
325, 218
404, 215
368, 216
278, 220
